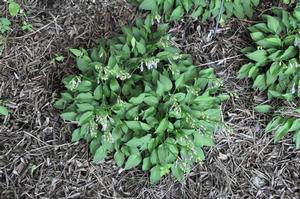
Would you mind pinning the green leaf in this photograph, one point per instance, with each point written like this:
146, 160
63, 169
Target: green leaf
76, 135
273, 24
295, 126
273, 124
177, 172
84, 86
76, 52
149, 112
151, 101
133, 161
166, 82
3, 111
117, 133
137, 100
155, 174
141, 48
84, 97
119, 158
100, 155
179, 83
85, 107
259, 56
201, 140
114, 85
289, 53
177, 13
13, 8
282, 131
69, 116
86, 117
148, 5
98, 92
133, 125
146, 164
297, 139
163, 125
263, 108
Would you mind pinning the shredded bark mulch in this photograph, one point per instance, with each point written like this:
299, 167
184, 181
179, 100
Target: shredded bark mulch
37, 159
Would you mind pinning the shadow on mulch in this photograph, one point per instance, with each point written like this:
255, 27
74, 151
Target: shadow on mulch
37, 159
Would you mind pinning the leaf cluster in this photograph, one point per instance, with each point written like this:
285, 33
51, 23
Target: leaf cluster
274, 65
143, 101
199, 9
282, 126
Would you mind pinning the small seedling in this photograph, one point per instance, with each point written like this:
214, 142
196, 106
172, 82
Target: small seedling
27, 26
13, 8
4, 25
3, 111
57, 58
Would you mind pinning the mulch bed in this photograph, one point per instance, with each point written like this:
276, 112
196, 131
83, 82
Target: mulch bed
37, 159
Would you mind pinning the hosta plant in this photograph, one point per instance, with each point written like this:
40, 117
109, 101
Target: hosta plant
142, 101
284, 125
199, 9
274, 65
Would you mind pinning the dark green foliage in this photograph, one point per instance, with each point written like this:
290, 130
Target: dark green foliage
144, 101
274, 65
199, 9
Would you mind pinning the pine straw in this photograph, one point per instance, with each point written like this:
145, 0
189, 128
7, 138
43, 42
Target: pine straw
37, 159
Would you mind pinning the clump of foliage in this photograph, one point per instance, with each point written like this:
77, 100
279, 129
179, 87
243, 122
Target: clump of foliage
199, 9
144, 101
284, 125
274, 65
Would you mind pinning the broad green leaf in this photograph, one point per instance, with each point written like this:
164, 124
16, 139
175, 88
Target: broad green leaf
151, 100
133, 125
114, 85
201, 140
100, 155
282, 131
119, 158
263, 108
177, 13
76, 135
148, 5
259, 56
85, 107
295, 126
179, 83
141, 48
84, 86
146, 164
155, 174
273, 124
76, 52
132, 161
297, 138
137, 100
289, 53
166, 82
84, 97
163, 125
273, 24
86, 117
177, 172
69, 116
98, 92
